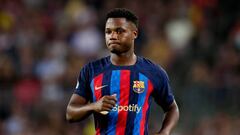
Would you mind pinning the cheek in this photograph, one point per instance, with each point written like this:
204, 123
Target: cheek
106, 38
127, 38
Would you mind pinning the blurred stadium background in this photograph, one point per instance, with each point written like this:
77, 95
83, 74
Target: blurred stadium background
44, 43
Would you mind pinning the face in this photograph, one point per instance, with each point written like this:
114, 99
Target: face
120, 35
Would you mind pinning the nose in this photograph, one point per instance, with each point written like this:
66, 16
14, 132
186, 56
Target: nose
113, 36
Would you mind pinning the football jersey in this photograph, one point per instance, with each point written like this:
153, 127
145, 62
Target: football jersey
135, 86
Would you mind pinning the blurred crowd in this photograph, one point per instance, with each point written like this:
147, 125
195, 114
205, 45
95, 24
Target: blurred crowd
44, 44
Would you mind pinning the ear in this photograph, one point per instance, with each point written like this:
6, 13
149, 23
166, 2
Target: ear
135, 32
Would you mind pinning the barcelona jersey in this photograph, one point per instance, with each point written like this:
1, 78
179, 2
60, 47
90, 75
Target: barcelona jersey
135, 86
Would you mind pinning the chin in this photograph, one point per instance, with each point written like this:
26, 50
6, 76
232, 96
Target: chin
115, 51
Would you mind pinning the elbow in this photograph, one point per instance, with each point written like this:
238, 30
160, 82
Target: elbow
69, 116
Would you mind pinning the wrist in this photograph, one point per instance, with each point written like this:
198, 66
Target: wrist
93, 107
164, 132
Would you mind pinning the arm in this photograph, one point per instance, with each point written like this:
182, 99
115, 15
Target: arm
79, 108
170, 120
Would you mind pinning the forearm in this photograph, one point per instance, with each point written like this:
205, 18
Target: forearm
78, 113
170, 119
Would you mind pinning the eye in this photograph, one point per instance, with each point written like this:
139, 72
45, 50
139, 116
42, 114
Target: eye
107, 31
120, 31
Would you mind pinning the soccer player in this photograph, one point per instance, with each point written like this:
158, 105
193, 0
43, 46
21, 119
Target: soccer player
118, 89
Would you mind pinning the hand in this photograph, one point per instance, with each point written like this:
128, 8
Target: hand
106, 103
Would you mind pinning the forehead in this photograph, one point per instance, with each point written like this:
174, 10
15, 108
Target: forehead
117, 22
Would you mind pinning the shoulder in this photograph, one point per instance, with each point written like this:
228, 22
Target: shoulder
97, 64
149, 64
95, 67
156, 70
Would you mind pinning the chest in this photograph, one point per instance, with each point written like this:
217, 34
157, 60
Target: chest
126, 84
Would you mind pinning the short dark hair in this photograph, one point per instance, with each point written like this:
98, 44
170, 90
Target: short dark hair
123, 13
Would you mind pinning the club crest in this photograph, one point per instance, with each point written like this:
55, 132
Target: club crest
138, 86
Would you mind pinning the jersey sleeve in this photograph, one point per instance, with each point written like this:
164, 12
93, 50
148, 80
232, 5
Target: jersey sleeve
162, 92
83, 85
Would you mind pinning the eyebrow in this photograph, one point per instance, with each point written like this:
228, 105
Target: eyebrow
115, 28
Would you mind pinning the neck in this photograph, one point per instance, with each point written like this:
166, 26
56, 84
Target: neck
123, 59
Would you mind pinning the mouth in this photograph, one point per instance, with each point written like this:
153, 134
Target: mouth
114, 43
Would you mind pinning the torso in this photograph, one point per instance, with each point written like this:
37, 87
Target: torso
133, 86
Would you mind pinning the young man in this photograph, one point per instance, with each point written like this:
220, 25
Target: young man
118, 89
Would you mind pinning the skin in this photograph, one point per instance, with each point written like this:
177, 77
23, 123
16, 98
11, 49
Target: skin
120, 35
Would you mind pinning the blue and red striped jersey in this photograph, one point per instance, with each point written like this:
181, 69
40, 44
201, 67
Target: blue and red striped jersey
134, 85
